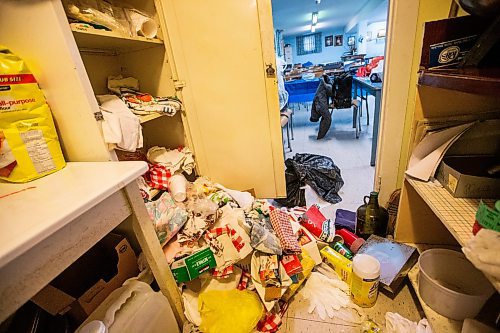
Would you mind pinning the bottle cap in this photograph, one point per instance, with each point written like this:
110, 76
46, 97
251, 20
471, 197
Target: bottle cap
366, 266
356, 245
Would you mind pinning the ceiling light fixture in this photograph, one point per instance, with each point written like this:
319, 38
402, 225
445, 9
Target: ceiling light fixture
318, 2
314, 17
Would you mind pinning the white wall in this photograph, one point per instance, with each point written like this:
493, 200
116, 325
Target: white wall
375, 47
328, 54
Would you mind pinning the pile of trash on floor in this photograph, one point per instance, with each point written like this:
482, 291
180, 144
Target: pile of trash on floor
239, 260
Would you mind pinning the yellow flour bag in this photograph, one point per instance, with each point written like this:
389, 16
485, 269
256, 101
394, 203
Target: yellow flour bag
29, 147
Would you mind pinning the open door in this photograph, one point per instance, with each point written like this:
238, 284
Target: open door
222, 57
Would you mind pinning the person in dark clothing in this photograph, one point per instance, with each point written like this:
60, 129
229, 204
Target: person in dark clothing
319, 109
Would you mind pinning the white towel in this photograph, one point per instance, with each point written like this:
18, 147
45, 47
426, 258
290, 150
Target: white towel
120, 126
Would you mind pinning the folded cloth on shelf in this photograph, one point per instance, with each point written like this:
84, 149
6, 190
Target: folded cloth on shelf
176, 160
120, 126
482, 251
142, 103
158, 176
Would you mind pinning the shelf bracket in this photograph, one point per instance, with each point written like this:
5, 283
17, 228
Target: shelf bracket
179, 84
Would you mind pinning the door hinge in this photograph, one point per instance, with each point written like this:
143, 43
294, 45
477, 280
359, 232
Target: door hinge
179, 84
98, 116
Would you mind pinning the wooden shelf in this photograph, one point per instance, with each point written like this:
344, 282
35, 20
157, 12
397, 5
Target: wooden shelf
95, 39
483, 81
149, 117
72, 191
458, 215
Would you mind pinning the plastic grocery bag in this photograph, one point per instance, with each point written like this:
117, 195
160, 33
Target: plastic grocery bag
29, 147
229, 311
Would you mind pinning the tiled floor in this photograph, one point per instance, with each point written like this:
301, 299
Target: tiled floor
351, 155
298, 320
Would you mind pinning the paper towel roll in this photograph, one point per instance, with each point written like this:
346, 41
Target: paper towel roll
142, 25
177, 187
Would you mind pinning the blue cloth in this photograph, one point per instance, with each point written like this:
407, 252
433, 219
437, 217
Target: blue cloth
300, 91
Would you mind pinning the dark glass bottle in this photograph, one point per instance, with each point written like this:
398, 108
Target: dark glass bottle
371, 218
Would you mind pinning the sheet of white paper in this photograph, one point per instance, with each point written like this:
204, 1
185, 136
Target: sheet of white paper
429, 152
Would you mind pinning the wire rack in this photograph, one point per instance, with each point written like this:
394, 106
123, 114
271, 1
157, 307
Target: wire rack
457, 214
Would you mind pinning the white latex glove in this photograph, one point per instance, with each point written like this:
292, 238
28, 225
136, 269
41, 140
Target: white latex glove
327, 297
396, 323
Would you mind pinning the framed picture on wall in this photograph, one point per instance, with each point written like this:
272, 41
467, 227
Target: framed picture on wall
329, 41
339, 40
351, 40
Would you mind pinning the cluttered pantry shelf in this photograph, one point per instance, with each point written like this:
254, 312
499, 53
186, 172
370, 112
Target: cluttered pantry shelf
483, 81
457, 214
95, 39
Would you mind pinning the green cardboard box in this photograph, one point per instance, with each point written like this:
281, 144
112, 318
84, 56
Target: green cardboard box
189, 268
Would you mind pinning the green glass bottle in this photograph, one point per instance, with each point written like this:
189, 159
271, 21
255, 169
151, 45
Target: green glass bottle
371, 218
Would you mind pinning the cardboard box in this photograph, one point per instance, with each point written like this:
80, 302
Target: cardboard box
467, 176
80, 288
189, 268
396, 260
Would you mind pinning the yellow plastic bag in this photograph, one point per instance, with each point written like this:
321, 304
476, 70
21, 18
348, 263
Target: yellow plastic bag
229, 311
29, 147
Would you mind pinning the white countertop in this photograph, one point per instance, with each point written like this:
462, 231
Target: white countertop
34, 214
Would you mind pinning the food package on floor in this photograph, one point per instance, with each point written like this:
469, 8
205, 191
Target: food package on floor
340, 264
396, 260
321, 227
307, 264
29, 146
191, 267
308, 243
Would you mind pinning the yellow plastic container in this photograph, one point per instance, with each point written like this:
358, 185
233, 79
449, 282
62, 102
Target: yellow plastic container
340, 264
365, 280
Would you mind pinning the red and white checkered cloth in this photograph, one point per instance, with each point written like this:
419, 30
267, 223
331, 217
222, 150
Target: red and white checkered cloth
281, 225
158, 176
244, 281
235, 239
224, 273
270, 323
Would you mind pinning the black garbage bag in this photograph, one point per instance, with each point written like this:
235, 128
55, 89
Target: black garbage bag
317, 171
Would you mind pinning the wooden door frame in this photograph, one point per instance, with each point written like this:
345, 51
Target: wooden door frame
399, 49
